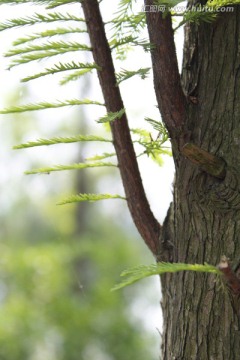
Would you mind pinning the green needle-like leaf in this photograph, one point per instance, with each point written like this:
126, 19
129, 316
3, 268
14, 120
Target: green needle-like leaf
89, 197
48, 33
60, 67
111, 116
61, 140
140, 272
39, 18
100, 157
47, 105
49, 46
78, 166
127, 74
75, 75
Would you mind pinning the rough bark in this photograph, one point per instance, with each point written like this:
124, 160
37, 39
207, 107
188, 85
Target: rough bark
199, 321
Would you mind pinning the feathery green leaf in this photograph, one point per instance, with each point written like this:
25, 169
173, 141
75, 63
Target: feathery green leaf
38, 52
89, 197
100, 157
48, 33
127, 74
111, 116
197, 15
60, 67
39, 18
77, 166
16, 2
140, 272
55, 3
130, 40
157, 125
36, 56
47, 105
75, 75
60, 140
50, 45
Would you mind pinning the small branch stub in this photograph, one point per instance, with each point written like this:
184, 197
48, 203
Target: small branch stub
231, 278
211, 164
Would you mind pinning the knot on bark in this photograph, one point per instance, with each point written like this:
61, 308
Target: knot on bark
220, 194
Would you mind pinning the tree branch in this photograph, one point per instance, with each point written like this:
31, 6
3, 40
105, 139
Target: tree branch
142, 215
170, 97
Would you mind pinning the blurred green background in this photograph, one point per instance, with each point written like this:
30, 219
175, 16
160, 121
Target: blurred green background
58, 263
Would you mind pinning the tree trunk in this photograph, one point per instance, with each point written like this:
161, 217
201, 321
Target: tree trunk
204, 221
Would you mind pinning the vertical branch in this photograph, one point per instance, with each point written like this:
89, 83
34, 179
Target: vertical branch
142, 215
169, 93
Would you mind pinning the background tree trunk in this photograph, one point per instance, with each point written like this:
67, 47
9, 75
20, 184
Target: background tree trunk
204, 221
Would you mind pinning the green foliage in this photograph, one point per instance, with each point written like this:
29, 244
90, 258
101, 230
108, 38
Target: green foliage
157, 147
220, 3
89, 198
48, 105
37, 52
127, 26
75, 75
56, 292
78, 166
61, 140
100, 157
62, 67
140, 272
126, 74
37, 18
48, 33
57, 267
111, 116
197, 15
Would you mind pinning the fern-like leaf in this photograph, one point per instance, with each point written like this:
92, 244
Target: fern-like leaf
39, 18
75, 75
78, 166
38, 52
89, 197
140, 272
61, 140
56, 3
126, 74
130, 40
100, 157
48, 33
111, 116
47, 105
197, 16
50, 45
60, 67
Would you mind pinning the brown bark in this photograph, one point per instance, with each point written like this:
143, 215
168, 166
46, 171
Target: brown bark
198, 315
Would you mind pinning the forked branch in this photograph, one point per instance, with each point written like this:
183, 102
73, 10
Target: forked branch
142, 215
